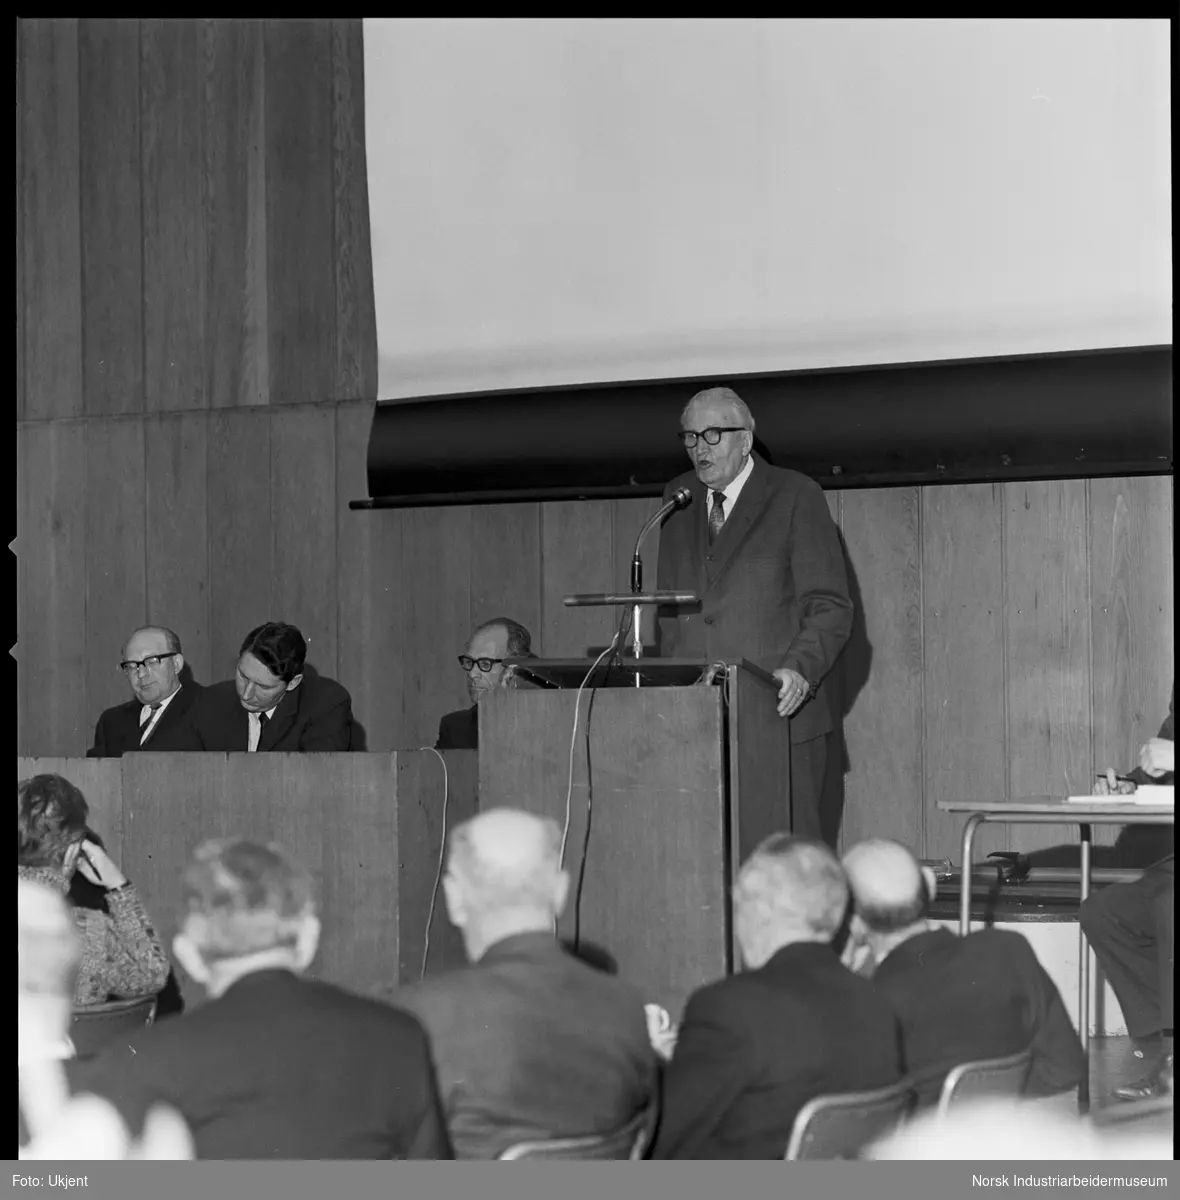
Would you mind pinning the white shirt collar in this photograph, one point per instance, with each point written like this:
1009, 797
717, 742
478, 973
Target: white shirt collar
145, 711
734, 489
270, 712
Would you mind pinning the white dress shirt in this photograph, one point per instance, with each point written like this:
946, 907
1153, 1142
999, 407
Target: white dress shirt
149, 719
256, 728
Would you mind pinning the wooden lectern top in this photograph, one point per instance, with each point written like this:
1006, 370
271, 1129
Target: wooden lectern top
622, 672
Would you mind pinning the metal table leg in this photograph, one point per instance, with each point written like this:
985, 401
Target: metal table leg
1084, 976
965, 873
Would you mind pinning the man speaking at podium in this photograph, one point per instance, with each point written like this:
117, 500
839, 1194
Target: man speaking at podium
760, 549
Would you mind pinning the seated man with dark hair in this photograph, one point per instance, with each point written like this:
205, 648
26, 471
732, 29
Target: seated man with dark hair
795, 1024
1131, 927
275, 1066
152, 662
959, 999
121, 955
269, 705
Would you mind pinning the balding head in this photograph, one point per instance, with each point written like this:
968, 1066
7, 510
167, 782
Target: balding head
890, 888
791, 889
504, 877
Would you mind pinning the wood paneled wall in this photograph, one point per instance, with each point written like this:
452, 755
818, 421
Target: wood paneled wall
196, 371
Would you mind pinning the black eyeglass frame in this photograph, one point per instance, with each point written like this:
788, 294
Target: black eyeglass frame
717, 430
467, 662
130, 665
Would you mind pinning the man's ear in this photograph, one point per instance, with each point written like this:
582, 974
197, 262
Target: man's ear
453, 896
295, 682
308, 941
190, 958
561, 891
179, 660
931, 881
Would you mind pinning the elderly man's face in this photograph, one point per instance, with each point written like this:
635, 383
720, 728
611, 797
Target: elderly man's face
157, 678
490, 644
717, 466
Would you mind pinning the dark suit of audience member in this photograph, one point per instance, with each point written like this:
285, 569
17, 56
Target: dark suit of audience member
275, 1066
958, 999
459, 730
754, 1049
1131, 927
771, 579
316, 716
529, 1042
121, 729
280, 1067
983, 996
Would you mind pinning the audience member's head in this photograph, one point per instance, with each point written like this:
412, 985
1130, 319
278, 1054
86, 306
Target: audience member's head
270, 664
504, 877
152, 662
791, 889
247, 907
50, 823
891, 894
490, 644
47, 953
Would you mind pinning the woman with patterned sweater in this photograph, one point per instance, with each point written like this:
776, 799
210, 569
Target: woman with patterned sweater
121, 952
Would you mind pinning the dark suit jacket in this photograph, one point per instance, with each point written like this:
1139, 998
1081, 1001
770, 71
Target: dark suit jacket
118, 730
317, 715
983, 996
531, 1043
285, 1068
1155, 842
773, 586
754, 1048
459, 730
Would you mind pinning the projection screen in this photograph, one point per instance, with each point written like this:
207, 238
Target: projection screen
573, 200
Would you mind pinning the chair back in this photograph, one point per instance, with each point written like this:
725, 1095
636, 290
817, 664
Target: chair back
96, 1026
989, 1077
629, 1141
840, 1126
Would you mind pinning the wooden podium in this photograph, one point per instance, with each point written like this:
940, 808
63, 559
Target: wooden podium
674, 783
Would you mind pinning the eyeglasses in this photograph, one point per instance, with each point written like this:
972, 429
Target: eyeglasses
711, 436
150, 663
484, 664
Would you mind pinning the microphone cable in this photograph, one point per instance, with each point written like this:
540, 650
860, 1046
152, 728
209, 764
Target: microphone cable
569, 792
442, 851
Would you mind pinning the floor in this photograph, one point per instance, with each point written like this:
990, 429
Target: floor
1112, 1063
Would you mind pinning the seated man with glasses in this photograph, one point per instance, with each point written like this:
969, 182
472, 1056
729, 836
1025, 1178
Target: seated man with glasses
152, 662
483, 664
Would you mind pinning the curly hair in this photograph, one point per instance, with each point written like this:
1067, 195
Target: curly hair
51, 816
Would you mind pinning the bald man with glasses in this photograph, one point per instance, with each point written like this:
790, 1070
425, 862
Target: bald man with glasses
760, 549
152, 663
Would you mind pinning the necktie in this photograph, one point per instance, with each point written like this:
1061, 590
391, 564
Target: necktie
147, 716
716, 516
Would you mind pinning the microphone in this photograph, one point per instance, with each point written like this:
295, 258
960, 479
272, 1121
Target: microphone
681, 498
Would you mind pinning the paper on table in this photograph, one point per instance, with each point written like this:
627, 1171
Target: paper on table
1151, 793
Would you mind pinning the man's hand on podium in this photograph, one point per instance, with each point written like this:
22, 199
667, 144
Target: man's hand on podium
793, 691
